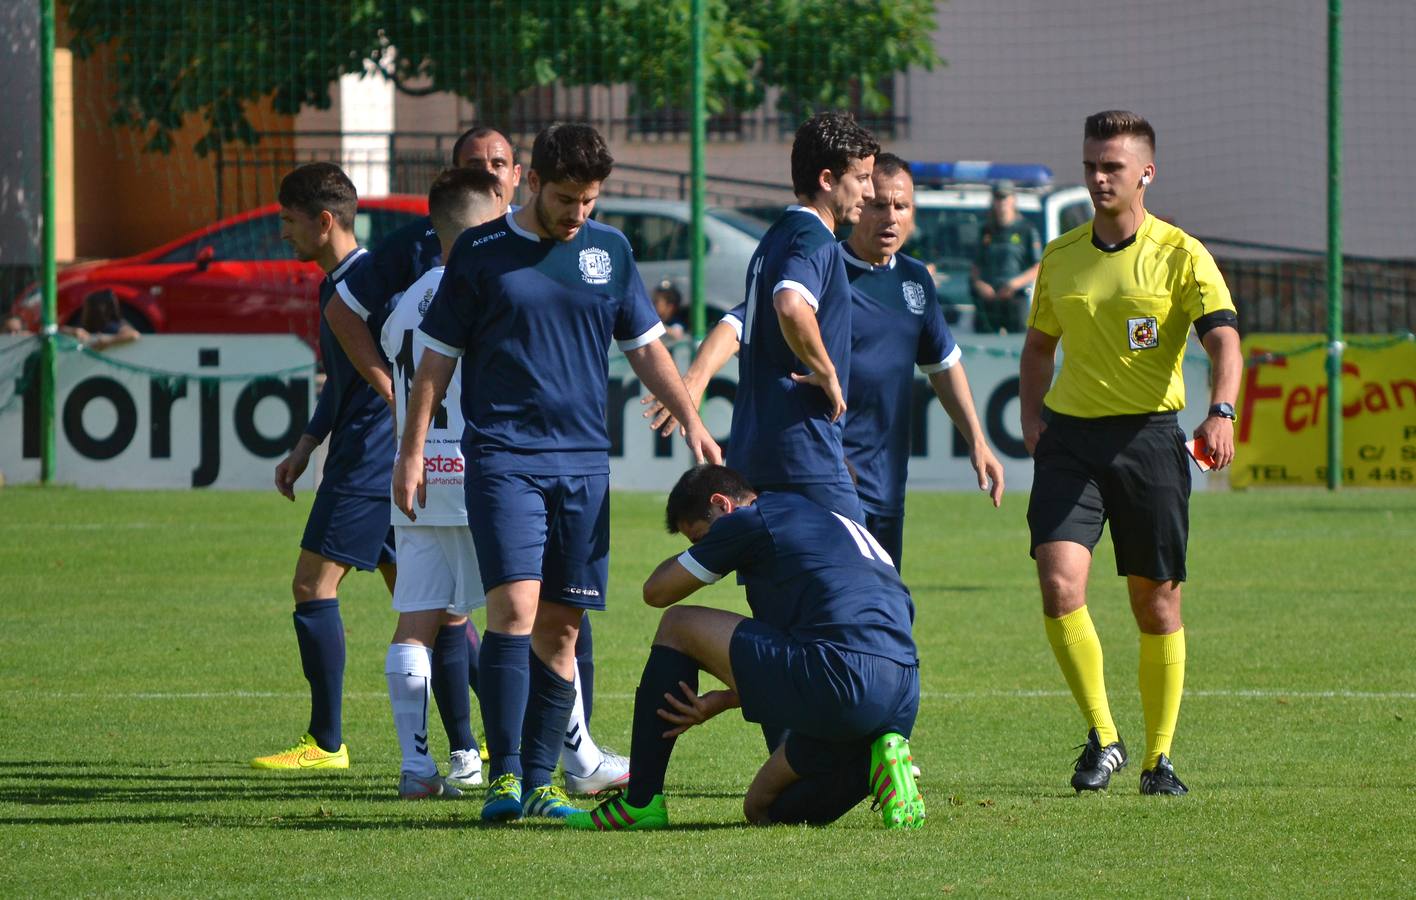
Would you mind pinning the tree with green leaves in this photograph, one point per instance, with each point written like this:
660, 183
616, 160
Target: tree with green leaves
173, 59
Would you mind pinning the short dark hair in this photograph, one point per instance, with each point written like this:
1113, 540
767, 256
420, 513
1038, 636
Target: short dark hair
827, 141
571, 151
688, 501
889, 164
100, 309
321, 187
452, 191
475, 132
1112, 123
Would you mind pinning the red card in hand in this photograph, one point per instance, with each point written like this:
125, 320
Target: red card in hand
1200, 454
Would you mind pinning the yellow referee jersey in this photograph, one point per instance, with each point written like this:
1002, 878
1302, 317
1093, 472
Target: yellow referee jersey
1123, 317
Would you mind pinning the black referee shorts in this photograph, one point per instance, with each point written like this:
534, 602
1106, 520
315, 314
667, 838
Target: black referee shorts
1130, 470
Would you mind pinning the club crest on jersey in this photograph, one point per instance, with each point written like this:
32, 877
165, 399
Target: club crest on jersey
595, 266
426, 301
914, 297
1142, 333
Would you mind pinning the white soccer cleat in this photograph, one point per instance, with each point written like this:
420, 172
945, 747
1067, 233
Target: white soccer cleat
612, 772
419, 787
465, 768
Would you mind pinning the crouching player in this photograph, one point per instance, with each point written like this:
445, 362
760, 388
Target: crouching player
439, 582
828, 654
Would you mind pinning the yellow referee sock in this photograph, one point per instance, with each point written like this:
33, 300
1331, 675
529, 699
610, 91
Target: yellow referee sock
1162, 680
1078, 651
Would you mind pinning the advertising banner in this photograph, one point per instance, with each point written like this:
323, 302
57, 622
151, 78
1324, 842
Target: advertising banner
1281, 437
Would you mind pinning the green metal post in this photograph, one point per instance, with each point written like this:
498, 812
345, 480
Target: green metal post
1334, 246
698, 138
48, 277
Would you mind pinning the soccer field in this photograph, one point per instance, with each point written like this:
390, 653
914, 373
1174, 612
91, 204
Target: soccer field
148, 652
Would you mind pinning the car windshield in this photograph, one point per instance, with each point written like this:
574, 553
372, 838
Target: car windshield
948, 239
751, 226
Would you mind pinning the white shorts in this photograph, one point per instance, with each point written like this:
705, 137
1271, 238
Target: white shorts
437, 569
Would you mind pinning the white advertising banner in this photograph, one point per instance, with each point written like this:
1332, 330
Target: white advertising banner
169, 411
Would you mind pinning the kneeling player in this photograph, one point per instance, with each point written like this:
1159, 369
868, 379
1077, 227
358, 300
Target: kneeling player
827, 654
439, 580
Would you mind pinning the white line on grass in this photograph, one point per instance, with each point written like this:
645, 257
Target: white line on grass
608, 695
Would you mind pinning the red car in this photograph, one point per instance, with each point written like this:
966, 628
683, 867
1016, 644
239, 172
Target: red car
235, 276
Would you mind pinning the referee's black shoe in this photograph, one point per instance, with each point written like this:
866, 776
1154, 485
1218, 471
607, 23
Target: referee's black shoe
1095, 765
1162, 780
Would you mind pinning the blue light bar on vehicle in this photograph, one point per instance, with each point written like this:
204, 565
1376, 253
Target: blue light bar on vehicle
1030, 174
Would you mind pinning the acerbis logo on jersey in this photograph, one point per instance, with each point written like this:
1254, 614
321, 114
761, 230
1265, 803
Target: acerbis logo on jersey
426, 301
595, 266
1143, 333
491, 237
914, 297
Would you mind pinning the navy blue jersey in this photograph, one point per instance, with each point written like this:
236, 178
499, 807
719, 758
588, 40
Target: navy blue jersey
535, 318
897, 324
812, 573
782, 431
399, 260
350, 412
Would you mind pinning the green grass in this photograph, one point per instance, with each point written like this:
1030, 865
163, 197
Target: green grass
146, 651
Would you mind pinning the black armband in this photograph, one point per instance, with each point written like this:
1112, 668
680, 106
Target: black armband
1219, 319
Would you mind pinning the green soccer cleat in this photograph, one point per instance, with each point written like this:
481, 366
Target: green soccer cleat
892, 783
615, 814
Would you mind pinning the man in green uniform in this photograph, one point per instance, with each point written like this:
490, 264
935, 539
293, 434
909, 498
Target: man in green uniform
1009, 252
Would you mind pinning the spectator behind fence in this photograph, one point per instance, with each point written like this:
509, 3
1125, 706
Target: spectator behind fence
13, 325
101, 324
668, 303
1008, 256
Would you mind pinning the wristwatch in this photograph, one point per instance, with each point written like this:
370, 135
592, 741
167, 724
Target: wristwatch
1223, 410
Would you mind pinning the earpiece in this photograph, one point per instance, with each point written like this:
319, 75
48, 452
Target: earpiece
1145, 180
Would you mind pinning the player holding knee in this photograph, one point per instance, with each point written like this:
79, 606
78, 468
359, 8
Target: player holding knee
828, 653
439, 583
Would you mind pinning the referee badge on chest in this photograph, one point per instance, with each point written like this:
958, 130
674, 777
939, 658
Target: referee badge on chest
1143, 333
914, 297
595, 266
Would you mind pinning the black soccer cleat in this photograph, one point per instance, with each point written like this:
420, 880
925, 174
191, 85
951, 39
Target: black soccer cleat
1162, 780
1095, 765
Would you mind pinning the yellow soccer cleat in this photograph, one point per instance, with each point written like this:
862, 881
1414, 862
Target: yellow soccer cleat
304, 755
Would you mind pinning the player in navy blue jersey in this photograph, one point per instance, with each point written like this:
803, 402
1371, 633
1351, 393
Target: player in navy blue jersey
828, 652
530, 302
896, 326
349, 521
796, 335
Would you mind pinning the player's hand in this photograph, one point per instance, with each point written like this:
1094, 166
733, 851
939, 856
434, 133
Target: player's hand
831, 385
660, 419
289, 470
990, 473
1005, 292
1217, 432
1032, 433
693, 709
410, 484
702, 447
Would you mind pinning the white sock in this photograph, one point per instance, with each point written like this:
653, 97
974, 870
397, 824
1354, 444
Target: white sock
409, 670
580, 755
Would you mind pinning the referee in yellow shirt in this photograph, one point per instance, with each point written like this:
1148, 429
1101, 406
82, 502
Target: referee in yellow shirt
1120, 294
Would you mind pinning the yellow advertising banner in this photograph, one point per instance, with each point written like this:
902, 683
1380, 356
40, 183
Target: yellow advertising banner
1281, 436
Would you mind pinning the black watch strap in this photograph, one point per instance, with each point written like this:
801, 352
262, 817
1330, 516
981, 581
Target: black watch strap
1223, 410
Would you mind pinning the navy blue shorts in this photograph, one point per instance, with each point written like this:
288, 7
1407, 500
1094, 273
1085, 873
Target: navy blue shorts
350, 529
834, 702
889, 531
554, 529
841, 498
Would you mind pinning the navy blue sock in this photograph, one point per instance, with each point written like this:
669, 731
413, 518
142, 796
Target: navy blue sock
547, 715
505, 683
474, 655
320, 631
648, 751
450, 686
585, 663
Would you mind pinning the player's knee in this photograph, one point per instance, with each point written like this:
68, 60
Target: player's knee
757, 808
304, 589
672, 626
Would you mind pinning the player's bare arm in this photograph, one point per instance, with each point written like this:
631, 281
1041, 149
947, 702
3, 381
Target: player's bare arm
1227, 365
669, 584
951, 386
656, 370
1034, 378
803, 336
713, 354
289, 469
434, 374
358, 344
